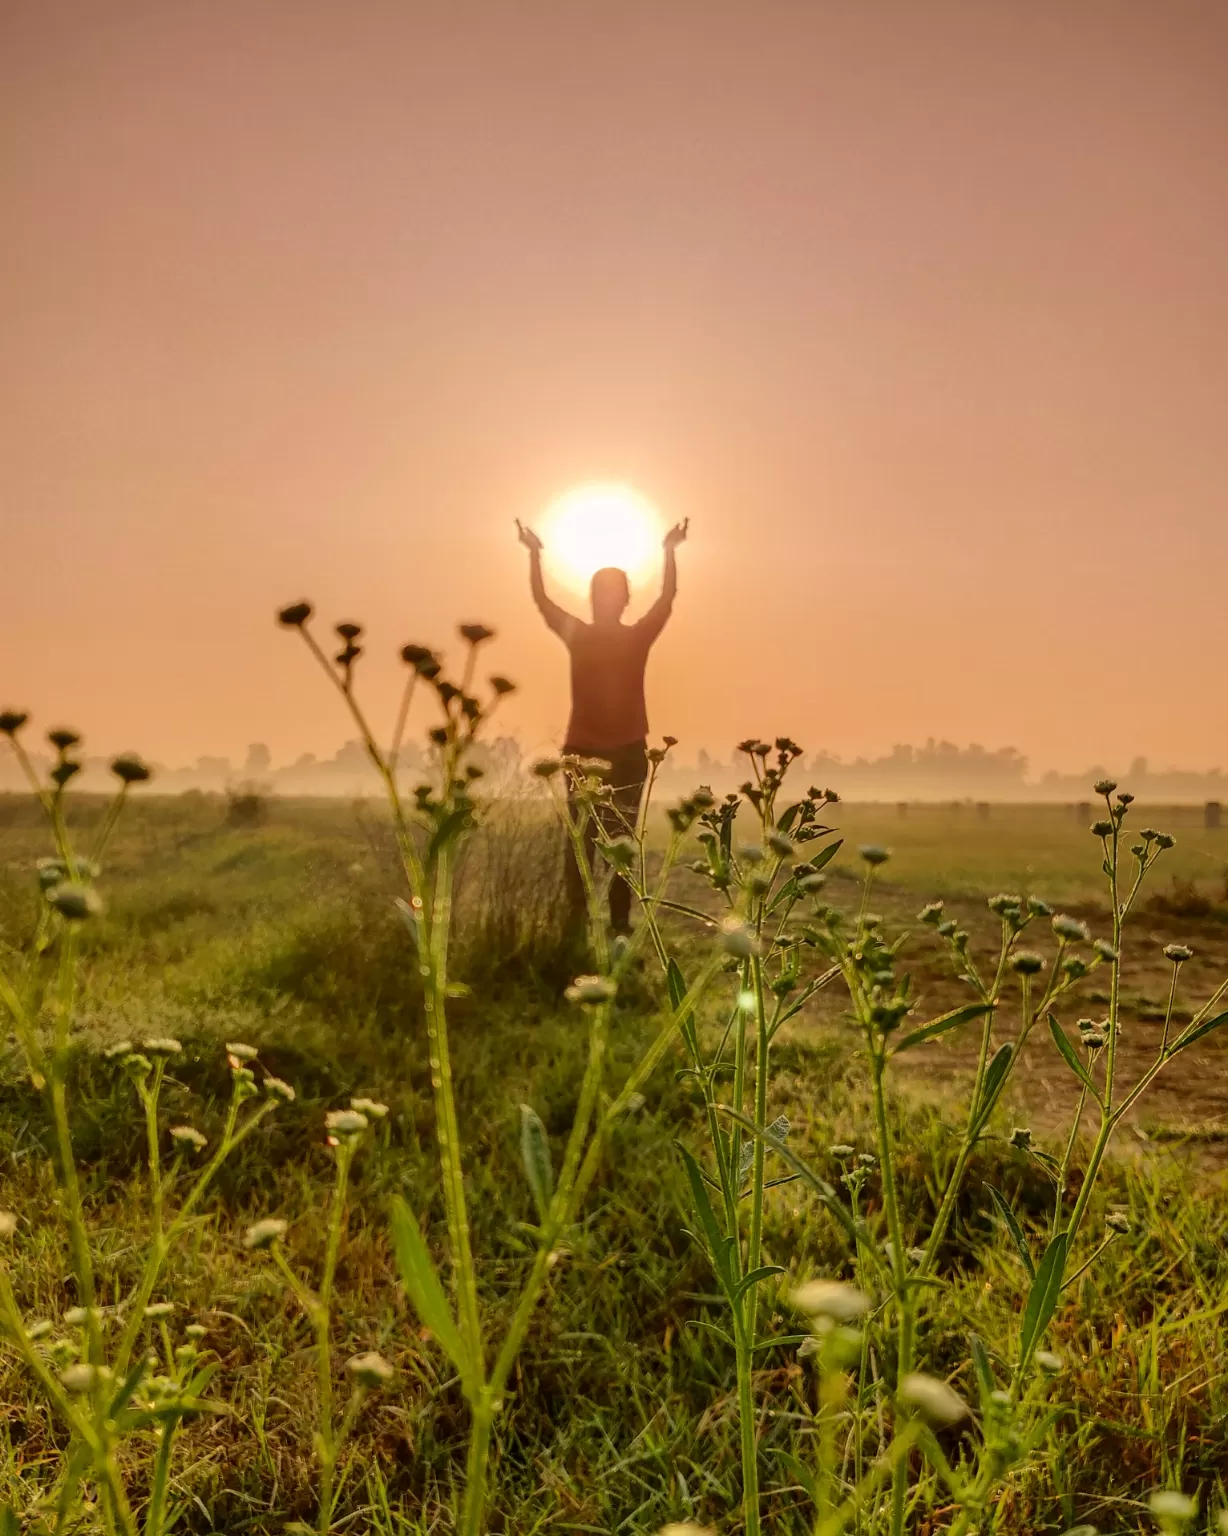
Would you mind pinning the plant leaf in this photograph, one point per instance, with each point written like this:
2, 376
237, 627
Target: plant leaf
1043, 1296
713, 1236
535, 1155
995, 1076
980, 1364
939, 1026
676, 983
1197, 1032
826, 855
8, 1521
764, 1272
1071, 1057
422, 1284
1015, 1230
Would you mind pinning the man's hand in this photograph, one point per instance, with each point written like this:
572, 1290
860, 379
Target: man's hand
677, 534
528, 538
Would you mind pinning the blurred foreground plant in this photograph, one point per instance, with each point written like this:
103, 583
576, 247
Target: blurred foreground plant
431, 827
98, 1367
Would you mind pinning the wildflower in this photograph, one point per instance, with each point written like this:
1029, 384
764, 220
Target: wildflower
1149, 834
277, 1088
12, 720
244, 1081
874, 854
370, 1370
63, 772
196, 1331
812, 883
348, 631
188, 1136
295, 615
1039, 908
931, 913
931, 1398
1027, 963
39, 1329
1021, 1138
738, 939
1171, 1508
1003, 905
129, 769
547, 768
157, 1309
1048, 1362
161, 1045
263, 1234
1102, 829
424, 661
590, 989
915, 1255
1117, 1222
750, 853
502, 685
137, 1066
8, 1223
1163, 840
622, 852
946, 928
82, 1377
842, 1150
1071, 928
74, 901
238, 1052
62, 739
475, 634
77, 1317
1106, 951
50, 872
781, 845
1091, 1034
372, 1108
831, 1299
345, 1122
867, 1159
1177, 953
1105, 786
1124, 797
1074, 967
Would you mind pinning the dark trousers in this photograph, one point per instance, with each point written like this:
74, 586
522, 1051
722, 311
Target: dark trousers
627, 772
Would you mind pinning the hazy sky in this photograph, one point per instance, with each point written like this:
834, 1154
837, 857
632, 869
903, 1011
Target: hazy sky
919, 311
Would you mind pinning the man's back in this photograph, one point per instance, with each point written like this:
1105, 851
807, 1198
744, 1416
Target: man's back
607, 684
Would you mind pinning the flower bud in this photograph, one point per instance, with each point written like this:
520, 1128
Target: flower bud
1039, 908
161, 1045
263, 1234
1162, 840
185, 1136
349, 632
295, 615
1047, 1362
1102, 829
547, 768
75, 902
1105, 786
370, 1370
157, 1309
783, 847
82, 1377
345, 1122
238, 1053
137, 1066
502, 685
475, 634
1021, 1138
1106, 951
750, 853
372, 1108
1177, 953
62, 739
738, 939
874, 854
1117, 1222
11, 721
831, 1299
590, 989
196, 1331
1071, 929
932, 1399
277, 1088
1027, 963
1094, 1036
931, 913
842, 1150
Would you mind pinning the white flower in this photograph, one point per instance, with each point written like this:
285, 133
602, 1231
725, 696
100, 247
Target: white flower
159, 1309
187, 1136
82, 1377
345, 1122
263, 1234
831, 1298
372, 1108
161, 1045
932, 1398
277, 1089
241, 1052
370, 1369
1048, 1362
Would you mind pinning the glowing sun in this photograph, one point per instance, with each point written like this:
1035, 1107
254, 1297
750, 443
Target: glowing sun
597, 525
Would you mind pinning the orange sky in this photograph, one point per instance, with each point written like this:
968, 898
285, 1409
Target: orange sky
919, 311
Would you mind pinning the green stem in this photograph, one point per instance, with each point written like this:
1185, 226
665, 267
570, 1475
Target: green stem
747, 1422
476, 1464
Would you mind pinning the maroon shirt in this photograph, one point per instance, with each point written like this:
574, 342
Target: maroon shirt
607, 682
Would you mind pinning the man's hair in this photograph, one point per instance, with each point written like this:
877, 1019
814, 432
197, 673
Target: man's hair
608, 578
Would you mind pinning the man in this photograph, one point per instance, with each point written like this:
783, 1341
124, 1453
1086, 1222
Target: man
608, 715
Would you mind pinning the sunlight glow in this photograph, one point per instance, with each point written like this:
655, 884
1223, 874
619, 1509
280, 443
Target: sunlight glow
596, 525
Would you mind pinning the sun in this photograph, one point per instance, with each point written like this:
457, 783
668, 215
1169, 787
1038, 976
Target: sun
592, 526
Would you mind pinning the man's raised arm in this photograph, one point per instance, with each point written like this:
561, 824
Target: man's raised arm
558, 619
654, 620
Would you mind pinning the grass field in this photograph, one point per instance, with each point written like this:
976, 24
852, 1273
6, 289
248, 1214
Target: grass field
621, 1416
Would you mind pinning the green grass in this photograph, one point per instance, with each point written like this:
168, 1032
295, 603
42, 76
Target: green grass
622, 1415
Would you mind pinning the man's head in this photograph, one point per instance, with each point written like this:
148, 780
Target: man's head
610, 593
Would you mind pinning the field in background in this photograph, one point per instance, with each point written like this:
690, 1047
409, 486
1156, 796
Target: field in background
281, 931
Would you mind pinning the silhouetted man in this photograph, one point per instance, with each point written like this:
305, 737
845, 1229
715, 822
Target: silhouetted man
609, 719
